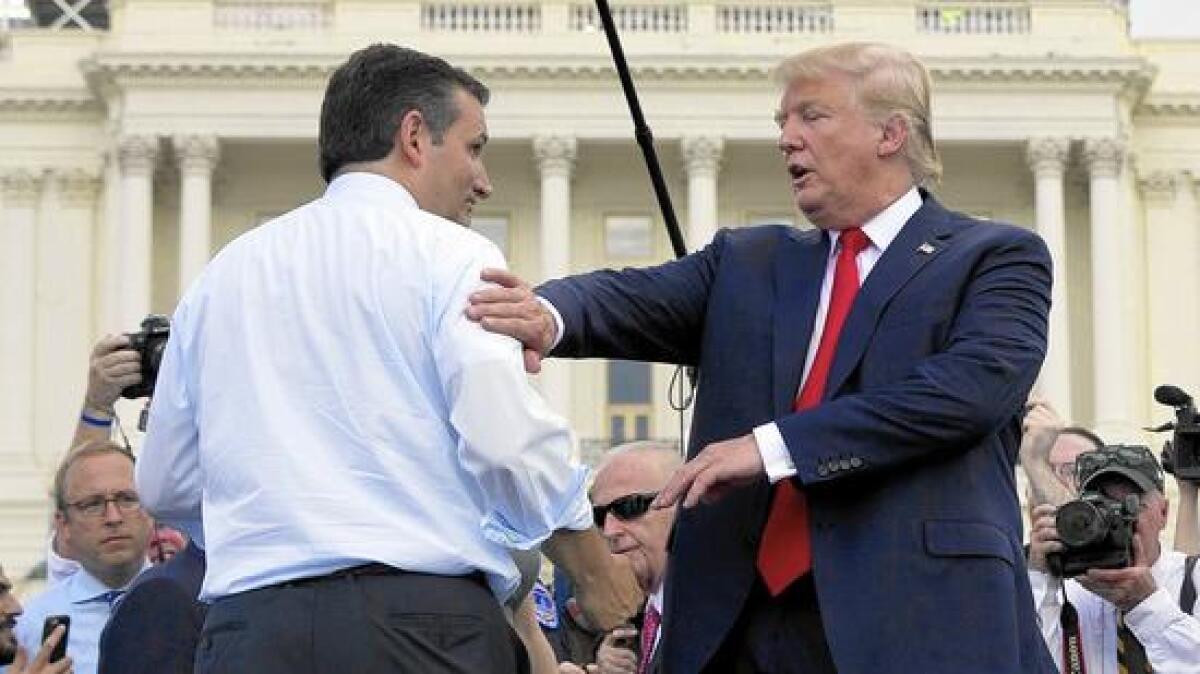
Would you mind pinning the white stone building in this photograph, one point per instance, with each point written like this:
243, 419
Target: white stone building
139, 136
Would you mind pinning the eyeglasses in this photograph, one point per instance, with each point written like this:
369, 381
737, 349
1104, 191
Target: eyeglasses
1065, 471
126, 501
626, 508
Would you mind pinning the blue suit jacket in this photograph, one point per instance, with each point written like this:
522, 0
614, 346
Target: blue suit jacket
156, 626
908, 464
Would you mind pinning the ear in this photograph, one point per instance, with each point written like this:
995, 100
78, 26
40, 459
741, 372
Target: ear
895, 134
408, 139
60, 526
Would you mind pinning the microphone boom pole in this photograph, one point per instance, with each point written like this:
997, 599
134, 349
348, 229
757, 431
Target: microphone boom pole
645, 139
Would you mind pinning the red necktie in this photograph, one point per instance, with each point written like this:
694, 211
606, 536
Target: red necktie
784, 554
650, 625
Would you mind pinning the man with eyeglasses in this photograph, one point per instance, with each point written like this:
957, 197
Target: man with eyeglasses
99, 516
1048, 453
627, 482
1135, 620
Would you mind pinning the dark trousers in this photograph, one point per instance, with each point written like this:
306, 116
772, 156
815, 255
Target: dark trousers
777, 635
361, 622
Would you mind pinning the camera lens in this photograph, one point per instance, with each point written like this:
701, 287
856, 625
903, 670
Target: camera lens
1080, 524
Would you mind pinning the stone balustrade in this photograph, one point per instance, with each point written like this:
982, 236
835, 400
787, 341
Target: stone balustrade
974, 18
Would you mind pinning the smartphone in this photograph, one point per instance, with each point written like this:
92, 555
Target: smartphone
53, 621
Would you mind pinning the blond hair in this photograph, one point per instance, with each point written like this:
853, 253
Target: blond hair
93, 448
887, 81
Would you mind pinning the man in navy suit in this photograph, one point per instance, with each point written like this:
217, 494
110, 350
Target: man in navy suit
156, 626
849, 502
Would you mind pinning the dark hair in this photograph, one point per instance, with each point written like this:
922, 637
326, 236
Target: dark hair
1083, 433
93, 448
370, 93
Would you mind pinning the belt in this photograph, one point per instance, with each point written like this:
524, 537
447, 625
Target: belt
372, 569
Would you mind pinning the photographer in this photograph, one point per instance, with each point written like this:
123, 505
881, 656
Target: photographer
1126, 619
113, 367
1048, 452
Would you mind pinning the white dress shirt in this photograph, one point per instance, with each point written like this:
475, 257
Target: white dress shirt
89, 603
1170, 636
58, 568
325, 402
881, 230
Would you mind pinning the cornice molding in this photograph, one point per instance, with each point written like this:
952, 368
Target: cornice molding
56, 102
1170, 105
166, 68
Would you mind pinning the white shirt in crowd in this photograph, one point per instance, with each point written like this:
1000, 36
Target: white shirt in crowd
324, 401
1170, 636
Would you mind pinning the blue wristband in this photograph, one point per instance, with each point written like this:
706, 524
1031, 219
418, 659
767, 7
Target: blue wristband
94, 421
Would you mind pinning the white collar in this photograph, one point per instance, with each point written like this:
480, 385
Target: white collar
886, 225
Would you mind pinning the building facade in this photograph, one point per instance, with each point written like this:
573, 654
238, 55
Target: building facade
137, 137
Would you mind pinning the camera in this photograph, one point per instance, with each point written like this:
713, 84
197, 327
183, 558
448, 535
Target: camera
149, 342
1096, 532
1181, 454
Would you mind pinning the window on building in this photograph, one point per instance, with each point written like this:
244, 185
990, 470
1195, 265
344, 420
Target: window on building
629, 236
629, 401
494, 228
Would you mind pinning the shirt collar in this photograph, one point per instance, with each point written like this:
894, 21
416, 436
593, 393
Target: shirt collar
82, 586
656, 599
886, 224
378, 189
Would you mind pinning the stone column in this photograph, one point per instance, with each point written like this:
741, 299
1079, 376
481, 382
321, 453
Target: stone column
19, 191
136, 156
1113, 382
1047, 159
555, 158
702, 159
197, 157
107, 259
63, 313
1173, 276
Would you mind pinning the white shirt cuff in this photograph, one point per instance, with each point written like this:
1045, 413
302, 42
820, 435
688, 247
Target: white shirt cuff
1152, 616
558, 321
775, 457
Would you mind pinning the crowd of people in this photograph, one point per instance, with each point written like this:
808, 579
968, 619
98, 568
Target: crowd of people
368, 482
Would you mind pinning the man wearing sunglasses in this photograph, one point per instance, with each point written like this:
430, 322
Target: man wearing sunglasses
1138, 619
627, 482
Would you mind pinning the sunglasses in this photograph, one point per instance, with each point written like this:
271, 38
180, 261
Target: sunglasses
626, 508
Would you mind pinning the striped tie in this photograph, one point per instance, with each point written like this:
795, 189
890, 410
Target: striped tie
1131, 656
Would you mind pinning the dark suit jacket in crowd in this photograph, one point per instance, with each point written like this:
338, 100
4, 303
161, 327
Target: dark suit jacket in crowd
908, 463
156, 626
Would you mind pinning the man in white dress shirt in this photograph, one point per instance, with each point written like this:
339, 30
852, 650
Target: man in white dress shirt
364, 456
1133, 620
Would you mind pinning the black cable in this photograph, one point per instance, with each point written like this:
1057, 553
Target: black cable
641, 131
679, 394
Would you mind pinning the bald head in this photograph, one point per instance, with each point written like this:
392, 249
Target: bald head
632, 470
656, 460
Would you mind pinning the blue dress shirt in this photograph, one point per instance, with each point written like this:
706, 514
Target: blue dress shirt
87, 600
324, 401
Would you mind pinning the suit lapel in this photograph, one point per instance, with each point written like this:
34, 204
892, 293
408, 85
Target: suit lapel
799, 270
919, 241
